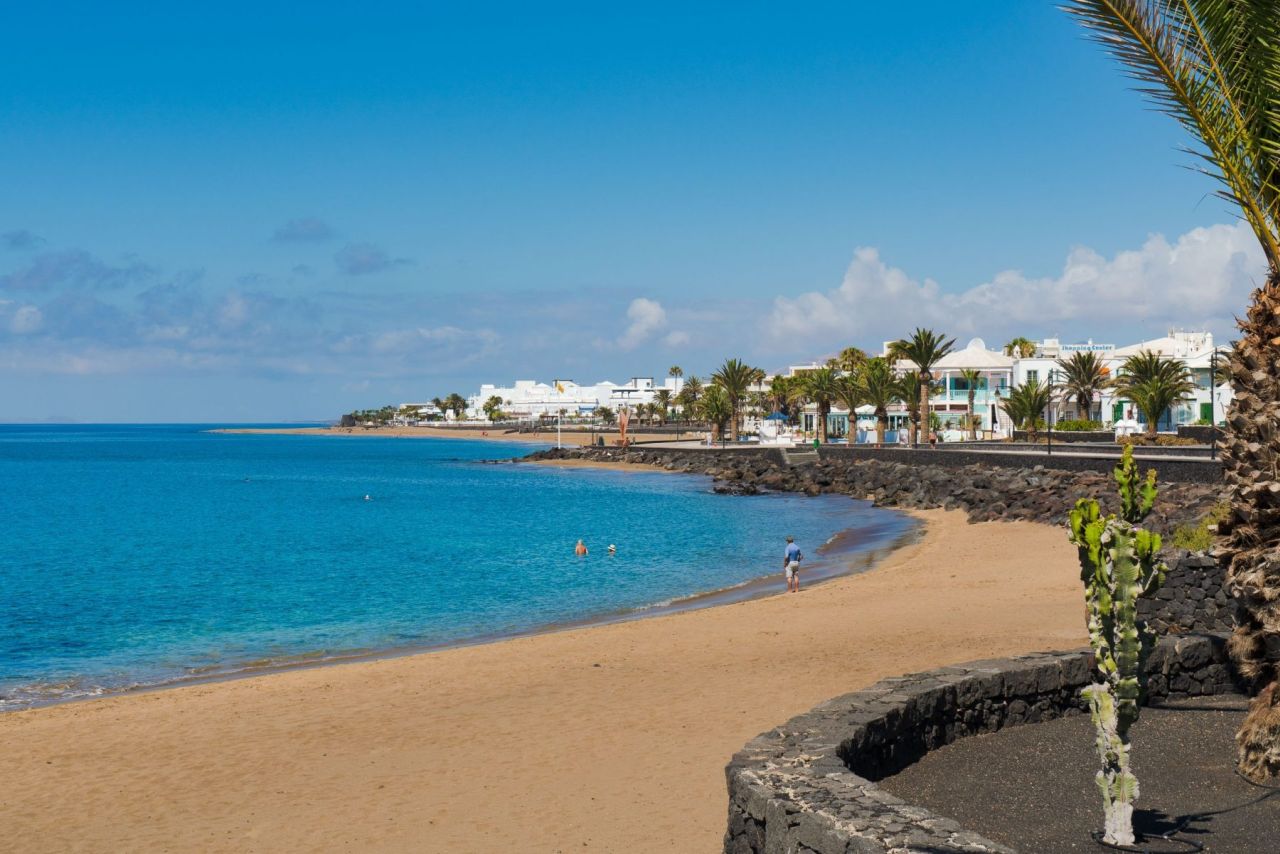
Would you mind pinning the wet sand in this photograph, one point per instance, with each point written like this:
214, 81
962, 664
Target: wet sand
610, 738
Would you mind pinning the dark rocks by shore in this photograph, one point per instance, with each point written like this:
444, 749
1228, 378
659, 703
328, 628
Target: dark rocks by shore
986, 493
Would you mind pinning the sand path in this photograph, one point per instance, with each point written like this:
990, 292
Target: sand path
604, 739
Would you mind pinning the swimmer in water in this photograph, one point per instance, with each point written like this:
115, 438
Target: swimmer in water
613, 550
368, 498
580, 549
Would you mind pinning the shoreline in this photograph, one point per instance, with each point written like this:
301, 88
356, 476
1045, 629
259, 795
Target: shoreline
608, 738
569, 437
833, 562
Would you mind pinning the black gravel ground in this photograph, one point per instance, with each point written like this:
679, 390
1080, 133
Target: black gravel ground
1032, 787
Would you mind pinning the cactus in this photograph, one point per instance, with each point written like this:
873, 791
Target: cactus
1118, 565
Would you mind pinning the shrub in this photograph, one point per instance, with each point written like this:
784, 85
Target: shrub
1199, 537
1070, 425
1163, 440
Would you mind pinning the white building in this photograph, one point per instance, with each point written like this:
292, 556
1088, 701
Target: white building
529, 399
1195, 349
950, 402
412, 414
998, 373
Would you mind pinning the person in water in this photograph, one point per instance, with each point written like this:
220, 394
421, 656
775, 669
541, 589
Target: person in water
613, 550
580, 549
791, 565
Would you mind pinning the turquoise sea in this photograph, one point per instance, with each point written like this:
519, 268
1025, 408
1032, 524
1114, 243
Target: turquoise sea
144, 555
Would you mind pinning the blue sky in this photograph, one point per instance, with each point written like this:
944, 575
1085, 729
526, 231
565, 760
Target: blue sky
250, 214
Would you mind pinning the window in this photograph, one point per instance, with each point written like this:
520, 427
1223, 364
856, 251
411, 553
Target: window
1033, 376
962, 384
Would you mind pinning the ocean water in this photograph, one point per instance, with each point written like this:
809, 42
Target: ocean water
142, 555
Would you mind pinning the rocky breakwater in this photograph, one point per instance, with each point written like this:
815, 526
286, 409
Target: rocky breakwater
985, 493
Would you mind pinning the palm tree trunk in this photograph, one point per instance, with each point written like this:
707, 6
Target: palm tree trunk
973, 422
823, 409
882, 424
925, 421
733, 424
1251, 450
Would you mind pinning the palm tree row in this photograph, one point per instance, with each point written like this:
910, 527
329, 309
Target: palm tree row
1148, 380
850, 379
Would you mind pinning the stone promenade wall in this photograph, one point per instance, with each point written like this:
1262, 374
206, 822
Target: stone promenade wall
1167, 470
1068, 436
1200, 432
1192, 599
808, 786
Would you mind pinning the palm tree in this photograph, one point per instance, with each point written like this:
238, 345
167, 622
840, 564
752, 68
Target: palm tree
912, 389
849, 395
493, 408
821, 388
662, 398
925, 347
880, 387
1215, 67
456, 403
716, 408
606, 415
1020, 348
1025, 404
972, 377
688, 397
439, 404
735, 377
1083, 376
780, 391
850, 359
1153, 383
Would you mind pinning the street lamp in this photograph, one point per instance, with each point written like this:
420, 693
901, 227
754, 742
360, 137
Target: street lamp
1213, 404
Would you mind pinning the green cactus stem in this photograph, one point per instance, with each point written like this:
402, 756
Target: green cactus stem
1118, 566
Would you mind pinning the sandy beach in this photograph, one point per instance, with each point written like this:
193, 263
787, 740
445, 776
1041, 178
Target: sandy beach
567, 437
611, 738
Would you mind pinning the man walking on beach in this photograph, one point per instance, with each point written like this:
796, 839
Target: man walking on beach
791, 565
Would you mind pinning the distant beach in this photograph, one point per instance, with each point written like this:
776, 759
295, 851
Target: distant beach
568, 436
607, 738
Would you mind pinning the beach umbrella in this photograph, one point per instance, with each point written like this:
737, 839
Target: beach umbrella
775, 416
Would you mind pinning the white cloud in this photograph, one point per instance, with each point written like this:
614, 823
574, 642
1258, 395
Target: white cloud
26, 319
234, 311
676, 338
1201, 280
647, 317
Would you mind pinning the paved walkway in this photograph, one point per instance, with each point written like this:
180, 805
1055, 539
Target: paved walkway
1002, 449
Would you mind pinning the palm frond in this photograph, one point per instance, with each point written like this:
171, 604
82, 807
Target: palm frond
1212, 65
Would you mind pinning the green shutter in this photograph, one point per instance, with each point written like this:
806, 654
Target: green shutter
1206, 412
1117, 411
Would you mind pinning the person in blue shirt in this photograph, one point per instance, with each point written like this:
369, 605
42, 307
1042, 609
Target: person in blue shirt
791, 565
